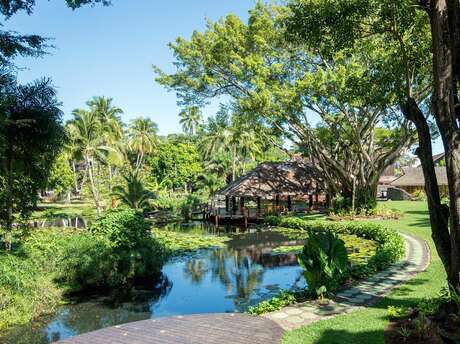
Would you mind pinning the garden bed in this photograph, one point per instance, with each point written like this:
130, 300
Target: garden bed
389, 248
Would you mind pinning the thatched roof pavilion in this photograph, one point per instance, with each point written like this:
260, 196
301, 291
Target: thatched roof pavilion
274, 179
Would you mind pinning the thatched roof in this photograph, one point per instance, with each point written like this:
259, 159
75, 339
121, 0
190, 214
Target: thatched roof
292, 178
414, 177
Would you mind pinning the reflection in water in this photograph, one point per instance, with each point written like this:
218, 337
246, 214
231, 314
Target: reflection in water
226, 279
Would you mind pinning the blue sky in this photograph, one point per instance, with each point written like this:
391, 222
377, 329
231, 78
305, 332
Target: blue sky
110, 50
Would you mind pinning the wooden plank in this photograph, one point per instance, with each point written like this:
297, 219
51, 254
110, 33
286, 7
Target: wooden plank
195, 329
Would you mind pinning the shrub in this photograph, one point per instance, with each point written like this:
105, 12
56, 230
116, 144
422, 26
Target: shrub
135, 252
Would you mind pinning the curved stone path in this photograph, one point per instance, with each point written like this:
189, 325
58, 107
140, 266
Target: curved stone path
366, 293
193, 329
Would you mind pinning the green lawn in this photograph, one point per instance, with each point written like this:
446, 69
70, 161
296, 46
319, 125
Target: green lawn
367, 326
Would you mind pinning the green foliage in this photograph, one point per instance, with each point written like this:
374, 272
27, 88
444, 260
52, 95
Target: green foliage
390, 244
397, 313
419, 195
123, 229
178, 243
282, 300
284, 86
31, 135
133, 194
62, 178
135, 252
176, 164
323, 258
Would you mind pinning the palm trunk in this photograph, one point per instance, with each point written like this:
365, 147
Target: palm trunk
110, 178
139, 160
233, 163
74, 170
94, 191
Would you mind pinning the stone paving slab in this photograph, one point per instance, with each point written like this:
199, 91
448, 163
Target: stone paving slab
364, 294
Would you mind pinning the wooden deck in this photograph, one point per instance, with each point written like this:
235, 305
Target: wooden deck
194, 329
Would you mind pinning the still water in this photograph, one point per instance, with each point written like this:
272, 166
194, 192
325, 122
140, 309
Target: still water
228, 279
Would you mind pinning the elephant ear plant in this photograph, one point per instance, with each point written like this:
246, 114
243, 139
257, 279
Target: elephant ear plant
323, 258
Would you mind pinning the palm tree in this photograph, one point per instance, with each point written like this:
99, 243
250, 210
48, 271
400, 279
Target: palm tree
190, 119
133, 193
210, 182
112, 127
142, 137
85, 131
108, 114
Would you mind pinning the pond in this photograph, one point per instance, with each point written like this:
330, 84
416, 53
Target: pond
228, 279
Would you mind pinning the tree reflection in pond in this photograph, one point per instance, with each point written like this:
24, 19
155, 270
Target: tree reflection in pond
218, 280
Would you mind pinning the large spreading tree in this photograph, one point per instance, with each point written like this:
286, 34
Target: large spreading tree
423, 38
342, 116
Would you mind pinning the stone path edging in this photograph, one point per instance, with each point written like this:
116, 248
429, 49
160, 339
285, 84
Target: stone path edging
364, 294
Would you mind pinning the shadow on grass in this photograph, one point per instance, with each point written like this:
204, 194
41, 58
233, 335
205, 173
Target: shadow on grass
345, 337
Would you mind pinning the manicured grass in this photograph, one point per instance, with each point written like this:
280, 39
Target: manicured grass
367, 326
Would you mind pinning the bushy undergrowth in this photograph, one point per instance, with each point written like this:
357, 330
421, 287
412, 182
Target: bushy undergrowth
118, 248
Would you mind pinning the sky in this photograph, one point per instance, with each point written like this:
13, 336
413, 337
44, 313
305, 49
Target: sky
109, 51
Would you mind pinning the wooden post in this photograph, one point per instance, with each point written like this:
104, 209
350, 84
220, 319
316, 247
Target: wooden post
233, 205
310, 202
245, 218
227, 204
289, 203
217, 220
242, 204
277, 203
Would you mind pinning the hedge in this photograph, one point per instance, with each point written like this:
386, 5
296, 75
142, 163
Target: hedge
390, 249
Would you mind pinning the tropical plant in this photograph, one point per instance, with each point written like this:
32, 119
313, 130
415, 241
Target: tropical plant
31, 136
133, 193
190, 119
210, 182
324, 258
112, 130
85, 130
109, 116
142, 138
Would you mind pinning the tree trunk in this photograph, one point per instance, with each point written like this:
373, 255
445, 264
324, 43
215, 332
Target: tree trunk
93, 186
443, 18
438, 218
110, 177
74, 170
233, 163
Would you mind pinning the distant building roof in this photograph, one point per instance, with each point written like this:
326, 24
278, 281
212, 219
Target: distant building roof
291, 178
414, 177
438, 157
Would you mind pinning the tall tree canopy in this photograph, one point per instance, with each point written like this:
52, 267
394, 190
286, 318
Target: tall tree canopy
291, 87
421, 39
31, 135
